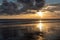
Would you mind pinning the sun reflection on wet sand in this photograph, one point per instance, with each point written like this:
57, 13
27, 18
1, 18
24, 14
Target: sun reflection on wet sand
40, 26
43, 27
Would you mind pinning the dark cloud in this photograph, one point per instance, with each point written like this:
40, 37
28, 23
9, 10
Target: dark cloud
52, 7
20, 6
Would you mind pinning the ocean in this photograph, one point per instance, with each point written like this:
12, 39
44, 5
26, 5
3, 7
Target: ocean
29, 29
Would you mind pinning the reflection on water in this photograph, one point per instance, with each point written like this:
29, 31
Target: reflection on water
30, 29
51, 29
40, 25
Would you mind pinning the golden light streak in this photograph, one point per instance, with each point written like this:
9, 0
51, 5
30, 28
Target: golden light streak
40, 26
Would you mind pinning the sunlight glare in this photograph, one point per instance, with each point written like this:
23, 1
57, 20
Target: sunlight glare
40, 26
40, 13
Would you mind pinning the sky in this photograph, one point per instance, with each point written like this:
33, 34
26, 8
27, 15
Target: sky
34, 16
47, 1
52, 1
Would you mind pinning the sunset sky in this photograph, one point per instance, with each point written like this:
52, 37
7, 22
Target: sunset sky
45, 15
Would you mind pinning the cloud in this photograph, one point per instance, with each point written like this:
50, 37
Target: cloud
51, 11
52, 7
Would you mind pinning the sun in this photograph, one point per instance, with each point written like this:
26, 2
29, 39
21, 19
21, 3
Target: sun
40, 13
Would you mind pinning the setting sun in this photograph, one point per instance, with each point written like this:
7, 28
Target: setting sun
40, 13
